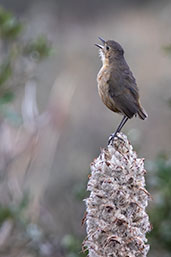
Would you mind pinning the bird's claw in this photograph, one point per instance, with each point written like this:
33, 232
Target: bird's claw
112, 137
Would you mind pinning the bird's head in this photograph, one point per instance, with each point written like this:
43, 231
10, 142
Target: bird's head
110, 50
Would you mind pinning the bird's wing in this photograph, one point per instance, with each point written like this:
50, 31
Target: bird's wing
124, 92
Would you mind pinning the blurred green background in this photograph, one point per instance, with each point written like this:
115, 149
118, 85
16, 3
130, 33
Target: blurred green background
52, 122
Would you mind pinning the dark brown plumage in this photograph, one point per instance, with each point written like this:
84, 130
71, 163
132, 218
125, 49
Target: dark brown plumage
116, 84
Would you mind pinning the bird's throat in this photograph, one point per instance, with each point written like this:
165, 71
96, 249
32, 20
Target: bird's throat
105, 61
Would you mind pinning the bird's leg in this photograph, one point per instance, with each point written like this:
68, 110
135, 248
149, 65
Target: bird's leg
122, 123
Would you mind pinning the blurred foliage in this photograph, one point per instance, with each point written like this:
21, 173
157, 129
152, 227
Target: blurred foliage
169, 102
19, 58
160, 213
14, 211
14, 52
167, 49
24, 232
10, 27
38, 48
5, 71
79, 190
159, 183
73, 246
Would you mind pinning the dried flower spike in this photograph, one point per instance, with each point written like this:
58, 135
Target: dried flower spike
116, 221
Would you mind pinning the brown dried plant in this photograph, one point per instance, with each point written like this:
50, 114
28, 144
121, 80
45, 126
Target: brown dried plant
116, 219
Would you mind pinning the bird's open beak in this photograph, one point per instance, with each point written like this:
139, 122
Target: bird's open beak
103, 41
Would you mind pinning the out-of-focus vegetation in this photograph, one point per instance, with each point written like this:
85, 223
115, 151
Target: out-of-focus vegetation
15, 51
18, 56
16, 228
39, 48
167, 49
10, 27
160, 212
159, 183
72, 246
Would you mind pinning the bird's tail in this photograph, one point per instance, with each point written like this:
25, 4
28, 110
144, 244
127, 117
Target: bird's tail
142, 113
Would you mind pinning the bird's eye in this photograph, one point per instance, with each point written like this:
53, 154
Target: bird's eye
107, 48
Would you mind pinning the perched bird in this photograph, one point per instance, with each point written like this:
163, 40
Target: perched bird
116, 84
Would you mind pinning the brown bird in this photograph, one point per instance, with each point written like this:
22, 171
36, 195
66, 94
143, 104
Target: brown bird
116, 84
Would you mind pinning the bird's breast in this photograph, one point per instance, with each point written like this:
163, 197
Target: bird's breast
103, 88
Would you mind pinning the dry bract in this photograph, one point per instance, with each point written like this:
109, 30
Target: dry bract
116, 219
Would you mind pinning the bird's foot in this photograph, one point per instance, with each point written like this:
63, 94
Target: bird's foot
112, 137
